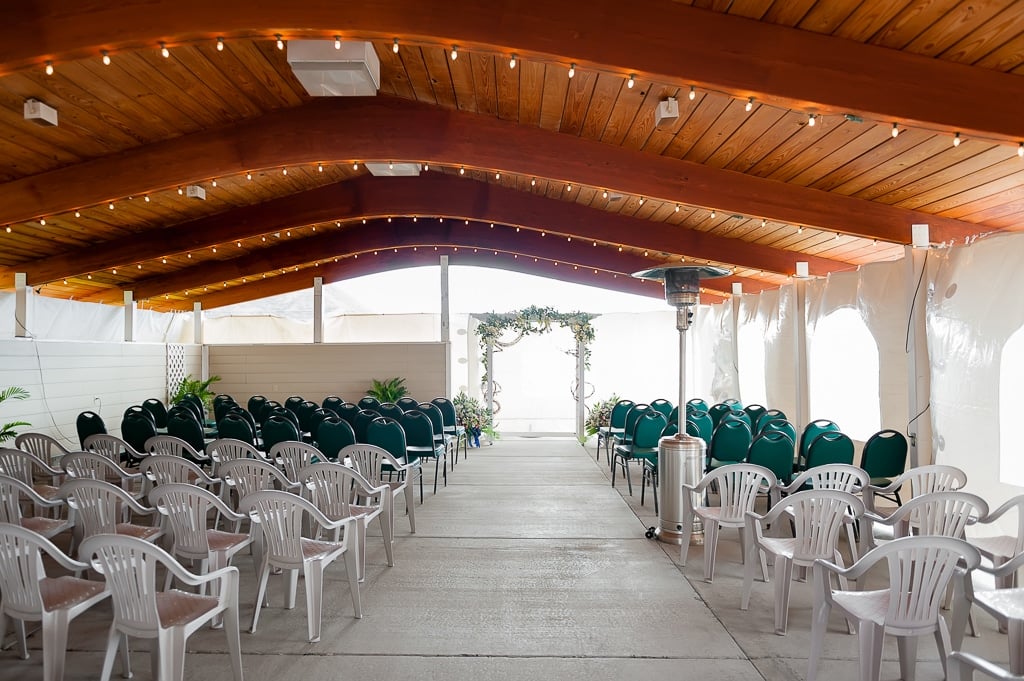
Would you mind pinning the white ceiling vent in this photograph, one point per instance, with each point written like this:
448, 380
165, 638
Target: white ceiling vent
39, 113
351, 71
394, 169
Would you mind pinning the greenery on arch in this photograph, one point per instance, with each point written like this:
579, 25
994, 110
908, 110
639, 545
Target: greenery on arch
535, 320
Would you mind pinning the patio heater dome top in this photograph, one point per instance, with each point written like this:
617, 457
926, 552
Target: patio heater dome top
682, 282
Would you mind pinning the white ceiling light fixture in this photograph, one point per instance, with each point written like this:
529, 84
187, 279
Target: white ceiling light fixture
40, 113
335, 69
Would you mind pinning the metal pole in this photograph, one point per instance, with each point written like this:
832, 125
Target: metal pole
681, 413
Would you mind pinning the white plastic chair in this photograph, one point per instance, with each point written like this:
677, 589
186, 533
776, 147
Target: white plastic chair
961, 666
24, 466
111, 447
280, 516
922, 480
293, 456
838, 476
169, 617
99, 467
1000, 548
738, 486
1006, 605
45, 447
920, 569
187, 509
170, 445
162, 469
818, 516
228, 449
97, 507
12, 492
29, 595
369, 460
944, 514
255, 475
341, 492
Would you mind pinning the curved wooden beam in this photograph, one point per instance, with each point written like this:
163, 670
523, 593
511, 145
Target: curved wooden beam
389, 260
433, 194
675, 44
379, 236
390, 128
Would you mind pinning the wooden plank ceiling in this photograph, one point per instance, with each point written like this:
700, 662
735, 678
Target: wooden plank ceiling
540, 171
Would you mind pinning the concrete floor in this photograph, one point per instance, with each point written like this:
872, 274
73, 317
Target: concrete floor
529, 565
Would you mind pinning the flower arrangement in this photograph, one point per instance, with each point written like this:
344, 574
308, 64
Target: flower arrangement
470, 413
599, 415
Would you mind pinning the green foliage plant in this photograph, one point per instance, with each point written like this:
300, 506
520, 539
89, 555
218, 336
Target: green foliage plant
389, 390
469, 411
194, 386
12, 393
599, 415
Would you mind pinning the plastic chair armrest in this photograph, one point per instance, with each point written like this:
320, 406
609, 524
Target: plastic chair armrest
961, 662
1006, 568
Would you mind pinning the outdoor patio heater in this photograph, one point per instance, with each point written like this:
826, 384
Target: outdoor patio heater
680, 456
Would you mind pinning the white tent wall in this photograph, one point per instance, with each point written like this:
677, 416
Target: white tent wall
975, 313
635, 356
766, 340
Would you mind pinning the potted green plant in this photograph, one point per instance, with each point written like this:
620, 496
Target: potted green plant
196, 387
12, 393
389, 390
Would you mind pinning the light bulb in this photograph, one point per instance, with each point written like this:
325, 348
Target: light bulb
895, 130
512, 61
693, 93
572, 69
78, 214
146, 198
220, 44
214, 249
455, 52
337, 42
956, 140
800, 229
319, 167
837, 236
642, 200
106, 57
394, 46
632, 81
114, 271
355, 166
42, 222
65, 282
248, 176
139, 266
604, 194
713, 213
1020, 150
568, 187
181, 192
533, 182
284, 171
677, 207
188, 255
497, 175
391, 165
110, 205
764, 223
389, 218
163, 260
426, 167
750, 104
462, 170
238, 243
49, 68
280, 41
164, 52
810, 120
213, 182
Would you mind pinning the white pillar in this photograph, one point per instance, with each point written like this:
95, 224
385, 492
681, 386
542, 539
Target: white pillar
490, 377
581, 377
129, 316
918, 377
318, 309
737, 297
802, 416
445, 313
197, 323
20, 305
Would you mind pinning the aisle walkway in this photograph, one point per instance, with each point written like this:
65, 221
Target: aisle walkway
527, 566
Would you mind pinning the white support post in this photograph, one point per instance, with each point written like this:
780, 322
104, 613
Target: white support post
490, 377
318, 309
129, 316
803, 415
918, 377
197, 323
737, 298
581, 377
20, 305
446, 326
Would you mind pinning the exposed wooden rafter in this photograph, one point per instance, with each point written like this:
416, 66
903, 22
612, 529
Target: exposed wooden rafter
389, 128
432, 194
681, 45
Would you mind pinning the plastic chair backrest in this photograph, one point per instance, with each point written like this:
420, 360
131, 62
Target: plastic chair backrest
333, 435
294, 456
293, 402
934, 478
281, 516
391, 410
304, 412
169, 445
813, 430
389, 435
187, 509
705, 426
362, 421
369, 460
221, 408
255, 405
830, 447
333, 487
332, 402
648, 429
662, 406
114, 448
717, 411
434, 414
771, 415
162, 469
941, 514
838, 476
730, 441
157, 410
23, 575
137, 429
773, 450
780, 426
738, 485
142, 412
885, 454
632, 416
90, 465
369, 403
408, 403
818, 516
449, 417
253, 475
235, 426
277, 429
318, 416
43, 446
228, 449
89, 423
348, 411
97, 504
20, 465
